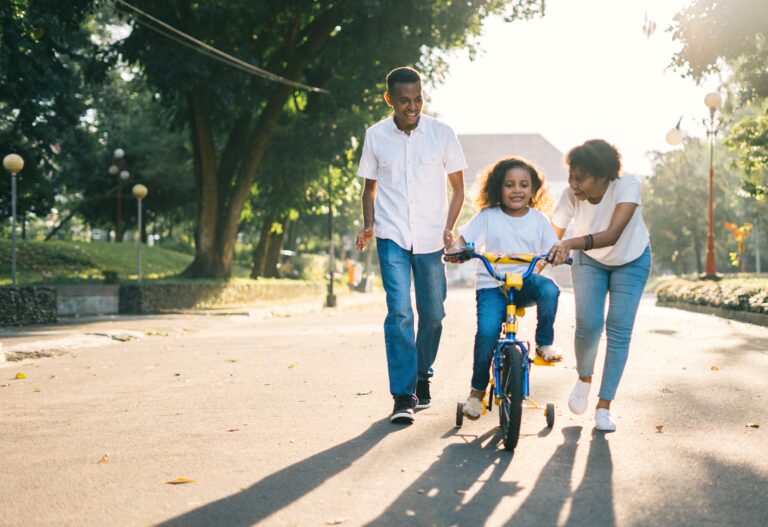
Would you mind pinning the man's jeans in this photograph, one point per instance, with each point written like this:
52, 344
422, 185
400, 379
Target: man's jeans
492, 311
623, 285
409, 357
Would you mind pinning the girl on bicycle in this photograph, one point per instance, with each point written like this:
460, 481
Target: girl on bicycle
508, 222
611, 260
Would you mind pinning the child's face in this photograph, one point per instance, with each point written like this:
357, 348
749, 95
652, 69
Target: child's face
516, 190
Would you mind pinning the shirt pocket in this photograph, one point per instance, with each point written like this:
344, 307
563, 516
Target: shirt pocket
386, 170
430, 164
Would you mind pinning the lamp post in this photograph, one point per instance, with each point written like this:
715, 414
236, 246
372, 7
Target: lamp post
713, 101
13, 163
330, 300
139, 192
116, 169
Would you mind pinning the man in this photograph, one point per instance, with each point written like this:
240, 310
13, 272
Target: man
404, 162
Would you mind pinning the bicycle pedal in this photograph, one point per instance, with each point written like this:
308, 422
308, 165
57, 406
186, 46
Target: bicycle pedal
538, 361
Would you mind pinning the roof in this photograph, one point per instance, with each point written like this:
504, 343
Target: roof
482, 150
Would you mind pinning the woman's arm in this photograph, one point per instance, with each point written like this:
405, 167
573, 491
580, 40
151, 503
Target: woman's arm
619, 221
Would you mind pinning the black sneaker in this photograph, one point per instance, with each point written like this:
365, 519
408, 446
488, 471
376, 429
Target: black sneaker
422, 394
403, 411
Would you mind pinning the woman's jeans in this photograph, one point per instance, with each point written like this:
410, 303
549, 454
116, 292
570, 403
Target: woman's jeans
492, 311
409, 357
623, 285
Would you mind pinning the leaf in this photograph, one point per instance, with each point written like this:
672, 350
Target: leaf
336, 521
103, 459
20, 375
369, 392
658, 428
180, 481
292, 365
753, 425
715, 368
233, 430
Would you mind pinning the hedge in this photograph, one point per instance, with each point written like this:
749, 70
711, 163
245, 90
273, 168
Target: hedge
20, 306
729, 294
170, 296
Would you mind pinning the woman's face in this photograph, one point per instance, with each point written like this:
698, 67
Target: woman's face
586, 186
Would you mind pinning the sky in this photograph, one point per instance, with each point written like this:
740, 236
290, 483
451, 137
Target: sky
585, 70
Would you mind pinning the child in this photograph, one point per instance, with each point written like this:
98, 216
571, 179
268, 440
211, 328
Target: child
508, 223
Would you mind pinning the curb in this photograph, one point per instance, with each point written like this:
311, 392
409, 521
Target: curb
759, 319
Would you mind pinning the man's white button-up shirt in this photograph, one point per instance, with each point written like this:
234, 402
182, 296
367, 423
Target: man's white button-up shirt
411, 204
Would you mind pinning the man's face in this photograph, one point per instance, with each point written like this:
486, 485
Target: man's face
406, 102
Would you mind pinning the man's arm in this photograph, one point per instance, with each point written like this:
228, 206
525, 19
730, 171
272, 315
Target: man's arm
369, 197
456, 180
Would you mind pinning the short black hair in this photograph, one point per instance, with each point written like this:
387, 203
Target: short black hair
405, 75
597, 158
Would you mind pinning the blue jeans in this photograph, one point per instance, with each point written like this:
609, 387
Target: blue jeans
411, 357
492, 311
623, 285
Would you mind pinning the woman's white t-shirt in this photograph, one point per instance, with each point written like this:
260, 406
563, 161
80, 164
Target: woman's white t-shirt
591, 218
492, 230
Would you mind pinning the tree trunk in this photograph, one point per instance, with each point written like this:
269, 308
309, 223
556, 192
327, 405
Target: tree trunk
220, 208
273, 253
260, 252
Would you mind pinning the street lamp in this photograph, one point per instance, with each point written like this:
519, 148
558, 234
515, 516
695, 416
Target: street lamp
330, 300
713, 101
675, 136
13, 163
116, 169
139, 192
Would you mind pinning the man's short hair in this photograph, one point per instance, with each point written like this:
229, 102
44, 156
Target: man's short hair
405, 75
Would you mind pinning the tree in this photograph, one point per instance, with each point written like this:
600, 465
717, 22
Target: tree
732, 35
324, 43
46, 56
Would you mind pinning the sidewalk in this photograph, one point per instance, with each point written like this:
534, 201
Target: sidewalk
72, 333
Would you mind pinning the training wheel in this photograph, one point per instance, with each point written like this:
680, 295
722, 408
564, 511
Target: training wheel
459, 414
549, 413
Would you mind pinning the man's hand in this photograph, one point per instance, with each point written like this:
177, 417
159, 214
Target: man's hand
448, 238
364, 238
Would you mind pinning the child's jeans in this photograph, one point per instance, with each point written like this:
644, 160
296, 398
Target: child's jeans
492, 311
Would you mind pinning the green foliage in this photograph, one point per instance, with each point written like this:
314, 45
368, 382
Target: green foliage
749, 140
60, 261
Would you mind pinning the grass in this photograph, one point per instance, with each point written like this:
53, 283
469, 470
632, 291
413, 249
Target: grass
61, 262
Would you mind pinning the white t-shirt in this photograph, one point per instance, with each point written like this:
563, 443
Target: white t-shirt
492, 230
591, 218
411, 204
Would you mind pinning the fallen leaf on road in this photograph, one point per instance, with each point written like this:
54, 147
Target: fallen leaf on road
715, 368
36, 390
180, 481
659, 427
20, 375
231, 360
666, 390
753, 425
336, 521
369, 392
420, 491
409, 512
233, 430
292, 365
103, 459
52, 377
177, 374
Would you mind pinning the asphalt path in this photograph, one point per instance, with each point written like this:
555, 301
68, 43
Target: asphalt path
282, 419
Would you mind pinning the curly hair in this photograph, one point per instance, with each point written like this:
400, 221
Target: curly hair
492, 181
597, 158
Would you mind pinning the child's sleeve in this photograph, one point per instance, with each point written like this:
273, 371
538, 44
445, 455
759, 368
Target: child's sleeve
475, 230
548, 236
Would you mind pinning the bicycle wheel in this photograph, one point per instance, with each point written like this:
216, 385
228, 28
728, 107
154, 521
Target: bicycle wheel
511, 408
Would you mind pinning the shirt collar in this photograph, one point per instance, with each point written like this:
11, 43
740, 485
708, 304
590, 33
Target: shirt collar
420, 128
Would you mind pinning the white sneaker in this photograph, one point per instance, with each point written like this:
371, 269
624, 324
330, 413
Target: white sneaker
603, 420
473, 408
549, 353
579, 398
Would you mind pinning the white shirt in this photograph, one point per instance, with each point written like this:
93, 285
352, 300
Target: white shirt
411, 204
492, 230
591, 218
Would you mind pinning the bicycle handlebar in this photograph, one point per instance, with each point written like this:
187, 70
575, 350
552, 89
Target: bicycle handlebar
469, 253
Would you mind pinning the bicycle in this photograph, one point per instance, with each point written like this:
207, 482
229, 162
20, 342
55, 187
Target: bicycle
511, 361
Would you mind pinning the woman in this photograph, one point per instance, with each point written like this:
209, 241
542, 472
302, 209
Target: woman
612, 259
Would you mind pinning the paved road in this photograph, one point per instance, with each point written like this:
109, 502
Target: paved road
283, 421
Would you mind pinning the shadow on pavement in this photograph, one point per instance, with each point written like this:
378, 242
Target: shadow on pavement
282, 488
445, 495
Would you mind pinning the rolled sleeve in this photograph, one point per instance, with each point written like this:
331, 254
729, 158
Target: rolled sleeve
368, 167
454, 156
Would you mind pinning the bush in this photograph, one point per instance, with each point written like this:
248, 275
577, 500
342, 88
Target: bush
737, 295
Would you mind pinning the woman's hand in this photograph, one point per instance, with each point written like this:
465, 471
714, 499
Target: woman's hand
560, 252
